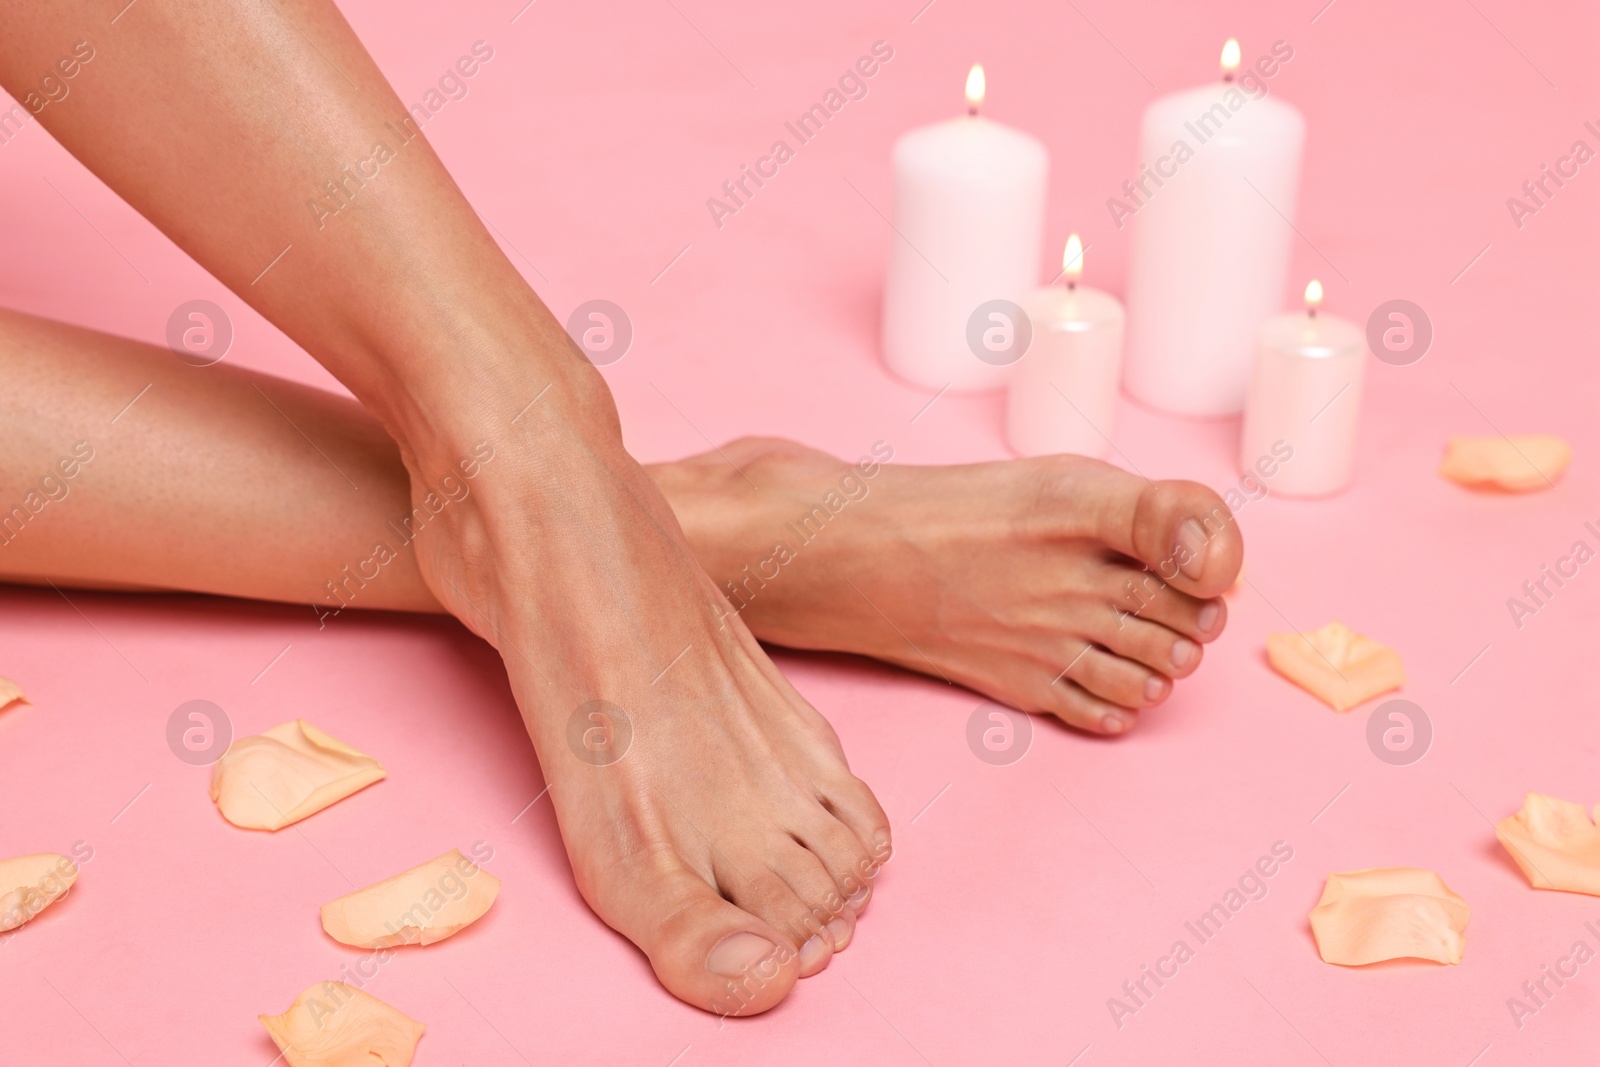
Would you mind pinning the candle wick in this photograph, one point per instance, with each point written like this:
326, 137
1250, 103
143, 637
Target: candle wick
1072, 284
972, 110
1227, 76
1311, 312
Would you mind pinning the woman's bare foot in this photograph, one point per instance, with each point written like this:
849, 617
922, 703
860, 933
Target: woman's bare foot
1060, 584
707, 809
728, 839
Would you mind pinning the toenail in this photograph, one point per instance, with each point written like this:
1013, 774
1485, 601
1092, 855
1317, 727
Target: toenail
1114, 723
839, 931
737, 953
1190, 551
1208, 617
1155, 689
858, 899
1183, 652
813, 952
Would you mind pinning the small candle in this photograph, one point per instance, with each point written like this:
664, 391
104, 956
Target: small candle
1219, 171
1064, 390
969, 199
1304, 402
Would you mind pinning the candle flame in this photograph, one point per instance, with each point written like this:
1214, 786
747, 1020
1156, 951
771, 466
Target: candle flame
976, 87
1230, 57
1313, 294
1072, 259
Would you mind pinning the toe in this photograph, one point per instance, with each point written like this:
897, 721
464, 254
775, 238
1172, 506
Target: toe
1157, 648
835, 850
815, 954
842, 930
853, 806
706, 951
1181, 530
1116, 679
748, 881
829, 921
1209, 619
1139, 593
1076, 706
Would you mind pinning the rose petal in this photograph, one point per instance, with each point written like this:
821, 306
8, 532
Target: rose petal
10, 693
1238, 583
428, 903
294, 770
1336, 665
1389, 913
1516, 464
1555, 843
336, 1025
30, 884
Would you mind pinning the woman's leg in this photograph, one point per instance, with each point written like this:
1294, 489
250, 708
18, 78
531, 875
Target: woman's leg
732, 831
214, 480
260, 470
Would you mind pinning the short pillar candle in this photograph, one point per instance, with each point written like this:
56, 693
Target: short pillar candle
1304, 405
1064, 390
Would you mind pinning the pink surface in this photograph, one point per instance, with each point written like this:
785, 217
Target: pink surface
1021, 897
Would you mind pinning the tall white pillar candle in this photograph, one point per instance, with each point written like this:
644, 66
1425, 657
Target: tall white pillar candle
1064, 389
968, 218
1304, 402
1218, 175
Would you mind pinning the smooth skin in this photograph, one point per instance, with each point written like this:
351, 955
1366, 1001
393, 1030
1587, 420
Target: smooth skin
735, 879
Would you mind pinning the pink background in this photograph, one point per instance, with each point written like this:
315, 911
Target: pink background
1010, 913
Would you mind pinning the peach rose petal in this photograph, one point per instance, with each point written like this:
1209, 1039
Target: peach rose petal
1515, 464
336, 1025
1336, 665
294, 770
1555, 843
1389, 913
30, 884
10, 693
428, 903
1238, 583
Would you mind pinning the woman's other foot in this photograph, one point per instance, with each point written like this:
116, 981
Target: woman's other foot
1059, 584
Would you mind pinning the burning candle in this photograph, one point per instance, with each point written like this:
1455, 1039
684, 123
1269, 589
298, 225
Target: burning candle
1219, 169
1064, 391
968, 215
1305, 401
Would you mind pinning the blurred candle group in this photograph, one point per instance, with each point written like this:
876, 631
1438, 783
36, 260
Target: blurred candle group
1211, 210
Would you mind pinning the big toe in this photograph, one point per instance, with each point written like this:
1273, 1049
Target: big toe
705, 951
1182, 531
